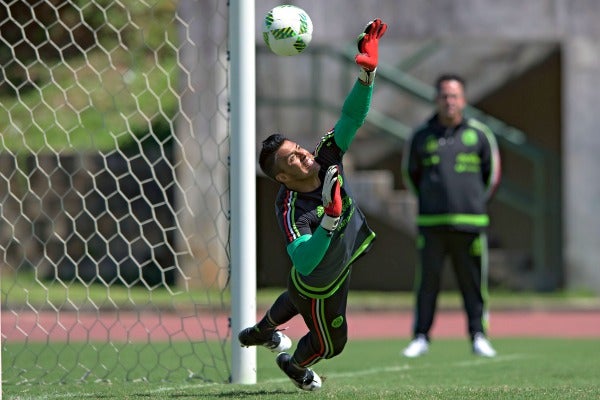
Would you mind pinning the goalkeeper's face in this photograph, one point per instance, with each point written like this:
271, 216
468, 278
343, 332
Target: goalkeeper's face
295, 163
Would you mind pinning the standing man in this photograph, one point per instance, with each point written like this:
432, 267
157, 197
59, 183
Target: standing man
324, 229
452, 165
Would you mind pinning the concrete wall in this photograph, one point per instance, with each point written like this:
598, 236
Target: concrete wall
571, 23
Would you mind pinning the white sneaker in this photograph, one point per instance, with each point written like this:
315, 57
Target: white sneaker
482, 346
417, 347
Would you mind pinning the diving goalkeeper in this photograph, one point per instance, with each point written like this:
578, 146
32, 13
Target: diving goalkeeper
325, 231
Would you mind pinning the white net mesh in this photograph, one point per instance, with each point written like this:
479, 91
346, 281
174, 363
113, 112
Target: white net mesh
114, 191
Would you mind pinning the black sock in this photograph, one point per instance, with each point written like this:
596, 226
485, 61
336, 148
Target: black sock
265, 325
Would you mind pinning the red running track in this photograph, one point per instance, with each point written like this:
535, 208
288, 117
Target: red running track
452, 324
136, 326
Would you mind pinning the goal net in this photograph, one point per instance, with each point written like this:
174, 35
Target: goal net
114, 190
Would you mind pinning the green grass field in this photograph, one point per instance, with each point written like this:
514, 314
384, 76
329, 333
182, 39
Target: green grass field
525, 369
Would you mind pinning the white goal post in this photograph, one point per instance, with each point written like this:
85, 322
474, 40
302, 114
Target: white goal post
127, 232
243, 186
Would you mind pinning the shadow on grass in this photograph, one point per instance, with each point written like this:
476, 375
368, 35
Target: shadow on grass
224, 394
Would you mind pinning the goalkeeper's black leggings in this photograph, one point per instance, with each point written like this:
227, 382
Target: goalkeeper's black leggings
325, 318
468, 253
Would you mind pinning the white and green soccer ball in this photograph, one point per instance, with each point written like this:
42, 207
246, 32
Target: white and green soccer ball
287, 30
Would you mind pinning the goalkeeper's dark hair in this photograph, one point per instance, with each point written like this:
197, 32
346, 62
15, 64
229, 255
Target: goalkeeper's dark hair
449, 77
266, 159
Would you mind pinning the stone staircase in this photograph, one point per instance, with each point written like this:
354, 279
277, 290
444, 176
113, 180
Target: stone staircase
374, 191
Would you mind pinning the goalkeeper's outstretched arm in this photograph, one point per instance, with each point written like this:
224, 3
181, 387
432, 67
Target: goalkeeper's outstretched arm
357, 103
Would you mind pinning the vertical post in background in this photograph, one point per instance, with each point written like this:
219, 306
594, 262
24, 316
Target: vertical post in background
1, 294
242, 185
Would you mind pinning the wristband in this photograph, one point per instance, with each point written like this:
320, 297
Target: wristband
366, 77
329, 223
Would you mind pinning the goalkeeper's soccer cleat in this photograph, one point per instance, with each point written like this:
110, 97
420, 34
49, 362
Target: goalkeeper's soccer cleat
417, 347
272, 340
482, 346
306, 379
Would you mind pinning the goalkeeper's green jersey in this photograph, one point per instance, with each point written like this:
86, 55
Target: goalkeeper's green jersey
299, 214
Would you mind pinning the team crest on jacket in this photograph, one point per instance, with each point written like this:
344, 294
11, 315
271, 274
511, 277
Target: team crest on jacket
469, 137
431, 144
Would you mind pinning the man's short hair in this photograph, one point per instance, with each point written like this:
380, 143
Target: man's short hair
266, 159
448, 77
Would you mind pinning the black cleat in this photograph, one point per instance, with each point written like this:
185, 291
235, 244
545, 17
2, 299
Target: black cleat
275, 341
306, 380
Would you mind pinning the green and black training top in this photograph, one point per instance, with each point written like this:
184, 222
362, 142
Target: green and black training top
453, 171
321, 262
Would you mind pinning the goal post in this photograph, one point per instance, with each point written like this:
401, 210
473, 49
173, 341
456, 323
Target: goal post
127, 231
243, 185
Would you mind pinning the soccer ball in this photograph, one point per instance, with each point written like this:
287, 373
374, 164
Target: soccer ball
287, 30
